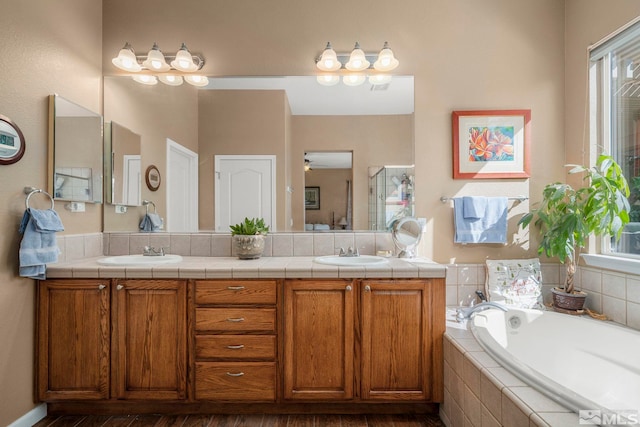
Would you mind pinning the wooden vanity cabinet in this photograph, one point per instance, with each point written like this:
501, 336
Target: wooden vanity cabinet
235, 340
366, 340
73, 345
99, 339
149, 359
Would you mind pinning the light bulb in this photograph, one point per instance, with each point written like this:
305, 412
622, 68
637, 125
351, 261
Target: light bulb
197, 80
357, 60
379, 79
329, 60
184, 60
171, 80
126, 59
328, 79
155, 60
146, 79
353, 79
386, 61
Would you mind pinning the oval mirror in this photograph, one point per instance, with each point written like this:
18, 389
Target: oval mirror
11, 142
406, 235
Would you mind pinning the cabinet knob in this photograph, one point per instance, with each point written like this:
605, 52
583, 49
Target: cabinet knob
119, 287
367, 288
348, 288
235, 374
101, 287
235, 319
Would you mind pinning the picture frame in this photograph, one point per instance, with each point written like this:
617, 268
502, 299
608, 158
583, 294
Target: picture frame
491, 144
152, 178
312, 198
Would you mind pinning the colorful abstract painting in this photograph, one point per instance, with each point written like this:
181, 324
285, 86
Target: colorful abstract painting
491, 144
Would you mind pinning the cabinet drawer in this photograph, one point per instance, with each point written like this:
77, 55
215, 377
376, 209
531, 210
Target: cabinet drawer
236, 319
236, 381
236, 346
236, 292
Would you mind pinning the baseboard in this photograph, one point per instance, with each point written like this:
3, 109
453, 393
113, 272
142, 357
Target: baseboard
31, 417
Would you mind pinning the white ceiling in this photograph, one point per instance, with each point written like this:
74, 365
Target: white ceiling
308, 97
329, 160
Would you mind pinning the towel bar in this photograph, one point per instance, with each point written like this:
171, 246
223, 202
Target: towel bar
146, 204
30, 191
517, 198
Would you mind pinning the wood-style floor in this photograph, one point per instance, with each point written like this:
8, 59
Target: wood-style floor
241, 421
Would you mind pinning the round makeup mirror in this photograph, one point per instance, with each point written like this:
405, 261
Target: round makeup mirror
406, 235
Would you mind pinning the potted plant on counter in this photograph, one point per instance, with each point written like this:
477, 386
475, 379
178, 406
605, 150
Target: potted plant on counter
568, 216
248, 238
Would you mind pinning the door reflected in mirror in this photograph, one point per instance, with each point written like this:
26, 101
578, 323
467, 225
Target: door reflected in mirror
124, 170
75, 145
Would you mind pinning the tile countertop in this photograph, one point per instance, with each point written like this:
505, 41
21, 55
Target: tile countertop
234, 268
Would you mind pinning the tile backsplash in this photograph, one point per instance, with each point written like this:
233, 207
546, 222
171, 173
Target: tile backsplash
615, 294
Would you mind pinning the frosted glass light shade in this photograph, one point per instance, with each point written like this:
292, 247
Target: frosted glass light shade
357, 60
328, 79
171, 80
155, 60
197, 80
379, 79
329, 60
386, 61
184, 60
353, 79
126, 59
146, 79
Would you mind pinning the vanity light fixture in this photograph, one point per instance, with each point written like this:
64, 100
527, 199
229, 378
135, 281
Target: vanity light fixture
156, 62
357, 61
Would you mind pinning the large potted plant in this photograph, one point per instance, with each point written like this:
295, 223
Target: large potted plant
248, 238
567, 217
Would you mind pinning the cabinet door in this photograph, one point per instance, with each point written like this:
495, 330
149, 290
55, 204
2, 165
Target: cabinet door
150, 329
318, 334
395, 348
73, 339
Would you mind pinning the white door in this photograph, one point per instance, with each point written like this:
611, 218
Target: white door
182, 189
131, 181
245, 187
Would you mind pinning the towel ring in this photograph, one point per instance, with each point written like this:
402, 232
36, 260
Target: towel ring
31, 191
146, 204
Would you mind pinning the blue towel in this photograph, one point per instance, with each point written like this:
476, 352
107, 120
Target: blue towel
151, 222
474, 207
38, 246
490, 228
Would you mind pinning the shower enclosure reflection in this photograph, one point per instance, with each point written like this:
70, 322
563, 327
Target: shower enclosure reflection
391, 195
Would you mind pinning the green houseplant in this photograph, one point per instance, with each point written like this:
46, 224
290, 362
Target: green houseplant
567, 217
248, 238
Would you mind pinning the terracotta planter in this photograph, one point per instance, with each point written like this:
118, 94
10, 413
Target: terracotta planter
565, 301
248, 247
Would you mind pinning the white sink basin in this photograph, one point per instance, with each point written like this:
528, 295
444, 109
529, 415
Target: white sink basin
357, 261
139, 260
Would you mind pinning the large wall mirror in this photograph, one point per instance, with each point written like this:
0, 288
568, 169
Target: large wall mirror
75, 152
286, 117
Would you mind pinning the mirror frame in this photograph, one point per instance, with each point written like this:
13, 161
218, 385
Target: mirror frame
18, 155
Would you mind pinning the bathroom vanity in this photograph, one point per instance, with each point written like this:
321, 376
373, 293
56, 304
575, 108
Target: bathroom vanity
213, 334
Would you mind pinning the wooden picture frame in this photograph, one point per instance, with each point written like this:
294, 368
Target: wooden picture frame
489, 144
312, 198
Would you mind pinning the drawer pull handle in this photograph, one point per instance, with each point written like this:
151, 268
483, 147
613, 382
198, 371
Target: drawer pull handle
120, 287
348, 288
236, 347
235, 319
101, 287
237, 374
367, 288
235, 288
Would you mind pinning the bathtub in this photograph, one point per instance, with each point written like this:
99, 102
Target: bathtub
581, 363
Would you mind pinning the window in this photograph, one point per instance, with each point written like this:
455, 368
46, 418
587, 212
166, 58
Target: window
615, 105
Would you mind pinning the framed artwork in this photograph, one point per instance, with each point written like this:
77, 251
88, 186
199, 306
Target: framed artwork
491, 144
312, 198
152, 178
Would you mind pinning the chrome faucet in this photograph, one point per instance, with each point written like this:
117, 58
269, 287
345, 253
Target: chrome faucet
350, 252
151, 251
465, 313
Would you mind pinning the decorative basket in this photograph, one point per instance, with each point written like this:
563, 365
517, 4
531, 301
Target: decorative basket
573, 301
248, 247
